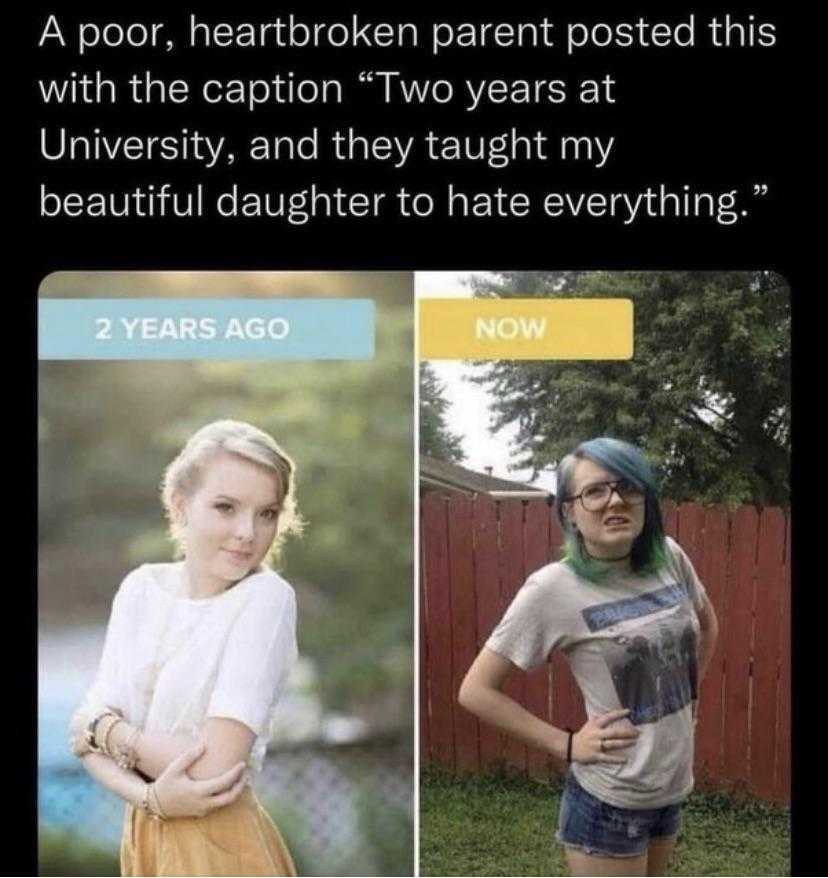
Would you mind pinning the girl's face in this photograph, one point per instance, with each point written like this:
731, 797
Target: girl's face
608, 531
229, 521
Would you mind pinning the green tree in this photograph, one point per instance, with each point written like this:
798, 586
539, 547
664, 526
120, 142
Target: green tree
436, 440
707, 393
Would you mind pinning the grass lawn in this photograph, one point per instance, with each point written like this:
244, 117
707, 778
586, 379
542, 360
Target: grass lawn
505, 825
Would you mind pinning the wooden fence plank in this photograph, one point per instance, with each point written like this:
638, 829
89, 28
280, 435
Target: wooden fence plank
691, 527
669, 512
535, 542
434, 533
512, 575
536, 535
487, 586
782, 774
713, 572
736, 764
424, 711
770, 592
464, 630
556, 538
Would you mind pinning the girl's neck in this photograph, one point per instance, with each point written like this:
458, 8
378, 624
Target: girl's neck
619, 562
196, 585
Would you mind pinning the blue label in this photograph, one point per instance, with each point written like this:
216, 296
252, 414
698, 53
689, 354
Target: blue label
206, 329
600, 616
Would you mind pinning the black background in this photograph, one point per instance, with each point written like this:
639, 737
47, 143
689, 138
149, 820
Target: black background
714, 119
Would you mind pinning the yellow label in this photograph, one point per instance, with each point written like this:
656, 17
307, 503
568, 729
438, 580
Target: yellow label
526, 329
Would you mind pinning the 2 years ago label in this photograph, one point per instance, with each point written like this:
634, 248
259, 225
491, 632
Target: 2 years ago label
191, 328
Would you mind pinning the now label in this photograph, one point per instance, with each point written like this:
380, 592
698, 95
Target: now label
526, 329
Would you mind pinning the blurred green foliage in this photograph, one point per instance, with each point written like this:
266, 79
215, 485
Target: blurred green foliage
295, 833
108, 429
64, 853
436, 439
389, 832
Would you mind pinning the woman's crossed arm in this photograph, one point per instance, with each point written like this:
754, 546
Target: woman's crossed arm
193, 775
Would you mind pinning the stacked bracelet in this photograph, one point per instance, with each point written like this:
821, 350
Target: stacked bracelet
150, 804
145, 800
96, 738
125, 755
107, 733
159, 813
92, 728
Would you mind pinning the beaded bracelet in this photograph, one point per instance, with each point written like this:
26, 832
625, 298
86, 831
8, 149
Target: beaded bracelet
125, 755
145, 803
107, 733
147, 799
159, 811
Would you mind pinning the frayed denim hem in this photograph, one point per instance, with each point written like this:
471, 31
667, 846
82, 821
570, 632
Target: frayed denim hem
593, 852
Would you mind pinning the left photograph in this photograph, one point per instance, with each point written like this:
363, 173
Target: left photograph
225, 567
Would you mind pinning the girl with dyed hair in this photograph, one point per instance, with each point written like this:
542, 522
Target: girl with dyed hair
626, 607
197, 653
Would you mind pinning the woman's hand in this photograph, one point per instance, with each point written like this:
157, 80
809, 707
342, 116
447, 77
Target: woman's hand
77, 731
595, 741
79, 723
178, 795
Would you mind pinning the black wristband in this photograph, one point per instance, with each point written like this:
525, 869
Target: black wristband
569, 746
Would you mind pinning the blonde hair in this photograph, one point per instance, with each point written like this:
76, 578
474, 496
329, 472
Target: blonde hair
183, 476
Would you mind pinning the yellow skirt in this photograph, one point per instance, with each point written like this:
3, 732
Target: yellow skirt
240, 839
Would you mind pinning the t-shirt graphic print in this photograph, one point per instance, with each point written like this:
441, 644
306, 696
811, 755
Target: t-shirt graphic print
653, 665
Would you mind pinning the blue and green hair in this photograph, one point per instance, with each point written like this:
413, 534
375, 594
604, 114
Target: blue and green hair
649, 551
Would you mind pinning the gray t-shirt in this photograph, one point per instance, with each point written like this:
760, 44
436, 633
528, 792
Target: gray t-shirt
631, 642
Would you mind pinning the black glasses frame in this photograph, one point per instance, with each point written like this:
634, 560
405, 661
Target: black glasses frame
613, 486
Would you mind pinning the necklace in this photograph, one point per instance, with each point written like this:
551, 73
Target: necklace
608, 560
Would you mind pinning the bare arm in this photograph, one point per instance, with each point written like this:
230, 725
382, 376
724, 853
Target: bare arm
176, 793
125, 784
191, 778
481, 694
155, 751
227, 743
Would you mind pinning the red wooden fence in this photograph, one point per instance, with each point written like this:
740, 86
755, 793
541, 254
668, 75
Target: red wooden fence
475, 555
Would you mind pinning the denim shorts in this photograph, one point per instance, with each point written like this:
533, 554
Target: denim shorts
596, 828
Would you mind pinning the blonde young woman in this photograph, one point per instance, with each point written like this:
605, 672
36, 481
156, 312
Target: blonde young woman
629, 612
196, 655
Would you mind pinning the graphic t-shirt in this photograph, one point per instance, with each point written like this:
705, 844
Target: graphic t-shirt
631, 642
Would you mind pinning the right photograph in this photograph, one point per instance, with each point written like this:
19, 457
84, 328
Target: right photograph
604, 573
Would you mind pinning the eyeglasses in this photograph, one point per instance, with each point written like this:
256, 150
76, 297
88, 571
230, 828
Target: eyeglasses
599, 494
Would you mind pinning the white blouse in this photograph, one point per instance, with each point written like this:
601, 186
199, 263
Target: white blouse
169, 662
